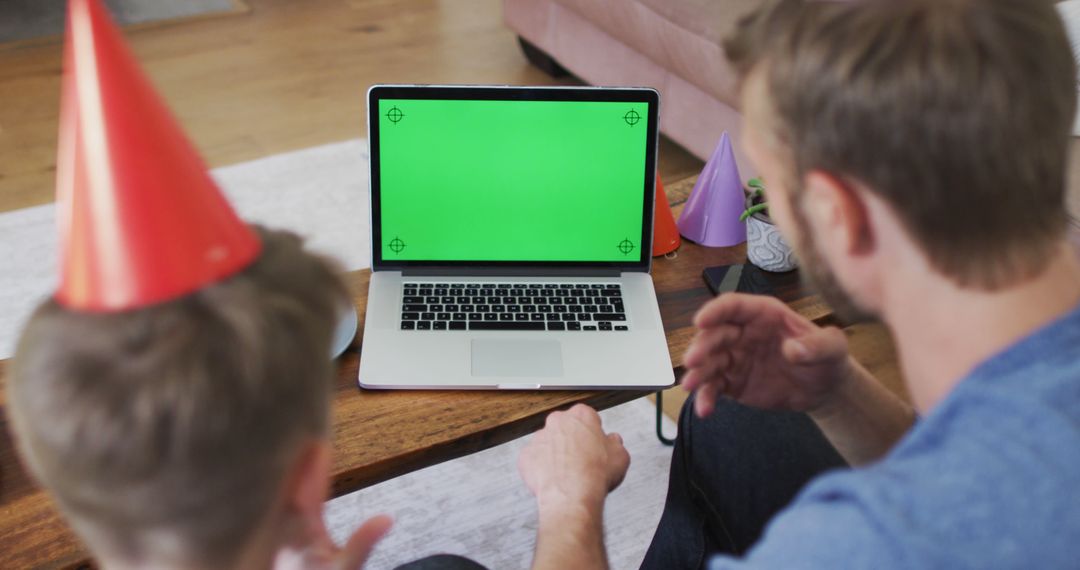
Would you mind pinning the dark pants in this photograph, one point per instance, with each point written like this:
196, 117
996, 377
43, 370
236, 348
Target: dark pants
730, 473
442, 562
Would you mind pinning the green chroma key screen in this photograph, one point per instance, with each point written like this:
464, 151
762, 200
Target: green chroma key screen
511, 180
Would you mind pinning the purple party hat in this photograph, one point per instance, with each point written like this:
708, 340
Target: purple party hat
711, 214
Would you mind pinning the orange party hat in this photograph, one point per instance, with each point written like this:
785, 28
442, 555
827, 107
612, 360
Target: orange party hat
665, 233
140, 219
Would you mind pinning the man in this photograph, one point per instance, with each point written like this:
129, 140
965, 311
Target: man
915, 158
173, 395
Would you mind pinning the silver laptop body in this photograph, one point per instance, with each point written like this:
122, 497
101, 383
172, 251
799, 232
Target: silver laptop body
511, 239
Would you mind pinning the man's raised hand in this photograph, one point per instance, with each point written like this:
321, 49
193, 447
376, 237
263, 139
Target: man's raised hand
759, 352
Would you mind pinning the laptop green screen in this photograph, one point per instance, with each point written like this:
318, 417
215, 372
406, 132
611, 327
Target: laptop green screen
548, 181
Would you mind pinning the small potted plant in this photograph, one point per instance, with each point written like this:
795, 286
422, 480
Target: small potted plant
765, 247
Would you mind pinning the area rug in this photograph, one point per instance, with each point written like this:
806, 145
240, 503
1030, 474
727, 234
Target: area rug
320, 193
474, 506
27, 19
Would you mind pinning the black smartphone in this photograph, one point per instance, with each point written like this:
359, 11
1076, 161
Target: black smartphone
747, 278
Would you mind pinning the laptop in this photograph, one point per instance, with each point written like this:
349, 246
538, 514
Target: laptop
511, 232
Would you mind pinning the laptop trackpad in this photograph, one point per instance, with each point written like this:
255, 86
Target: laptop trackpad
522, 358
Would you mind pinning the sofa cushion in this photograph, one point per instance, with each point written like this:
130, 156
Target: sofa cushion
682, 36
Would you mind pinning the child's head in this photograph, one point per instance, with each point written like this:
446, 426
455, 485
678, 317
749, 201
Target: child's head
169, 433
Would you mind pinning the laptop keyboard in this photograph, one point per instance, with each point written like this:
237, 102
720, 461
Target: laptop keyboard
512, 307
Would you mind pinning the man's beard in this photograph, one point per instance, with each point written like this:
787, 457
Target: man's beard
819, 278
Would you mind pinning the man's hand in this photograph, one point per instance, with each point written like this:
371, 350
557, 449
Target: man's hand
572, 461
315, 550
571, 465
759, 352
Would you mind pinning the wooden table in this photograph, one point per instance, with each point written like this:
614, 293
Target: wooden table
382, 434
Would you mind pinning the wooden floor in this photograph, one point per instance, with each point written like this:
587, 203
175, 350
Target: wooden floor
282, 76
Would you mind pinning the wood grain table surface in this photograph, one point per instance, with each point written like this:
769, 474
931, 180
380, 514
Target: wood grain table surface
379, 435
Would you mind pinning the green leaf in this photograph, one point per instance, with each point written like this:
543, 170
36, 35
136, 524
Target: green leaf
753, 210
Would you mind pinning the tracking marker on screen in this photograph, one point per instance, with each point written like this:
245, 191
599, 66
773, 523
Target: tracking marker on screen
396, 245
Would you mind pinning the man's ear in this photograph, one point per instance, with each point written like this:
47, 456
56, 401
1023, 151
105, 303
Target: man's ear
838, 213
309, 479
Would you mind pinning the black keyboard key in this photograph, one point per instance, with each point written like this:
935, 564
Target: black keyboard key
506, 326
408, 325
605, 326
520, 286
577, 293
506, 317
483, 309
463, 300
570, 301
553, 317
596, 286
584, 317
410, 285
414, 308
544, 308
609, 317
589, 308
423, 326
565, 286
440, 291
438, 326
436, 308
581, 286
468, 308
574, 309
536, 317
410, 316
448, 300
452, 309
498, 309
560, 308
562, 293
411, 299
610, 293
431, 299
569, 317
442, 285
458, 316
589, 327
622, 328
458, 325
488, 317
423, 291
521, 317
475, 316
592, 293
428, 316
457, 285
556, 326
611, 286
573, 326
551, 286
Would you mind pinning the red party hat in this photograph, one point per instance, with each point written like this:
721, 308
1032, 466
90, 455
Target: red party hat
665, 233
141, 221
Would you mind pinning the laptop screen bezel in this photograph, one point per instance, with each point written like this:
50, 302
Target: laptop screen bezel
504, 93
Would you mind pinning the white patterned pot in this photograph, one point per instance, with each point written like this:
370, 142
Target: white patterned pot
766, 248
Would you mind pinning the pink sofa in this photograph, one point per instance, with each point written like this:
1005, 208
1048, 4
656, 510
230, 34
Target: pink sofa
671, 45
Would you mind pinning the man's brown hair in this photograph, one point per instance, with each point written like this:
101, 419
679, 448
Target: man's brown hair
956, 112
165, 432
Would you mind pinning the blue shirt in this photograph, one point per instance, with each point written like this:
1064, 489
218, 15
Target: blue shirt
989, 479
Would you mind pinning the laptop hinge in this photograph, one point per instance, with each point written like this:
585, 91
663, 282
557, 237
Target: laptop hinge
511, 272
